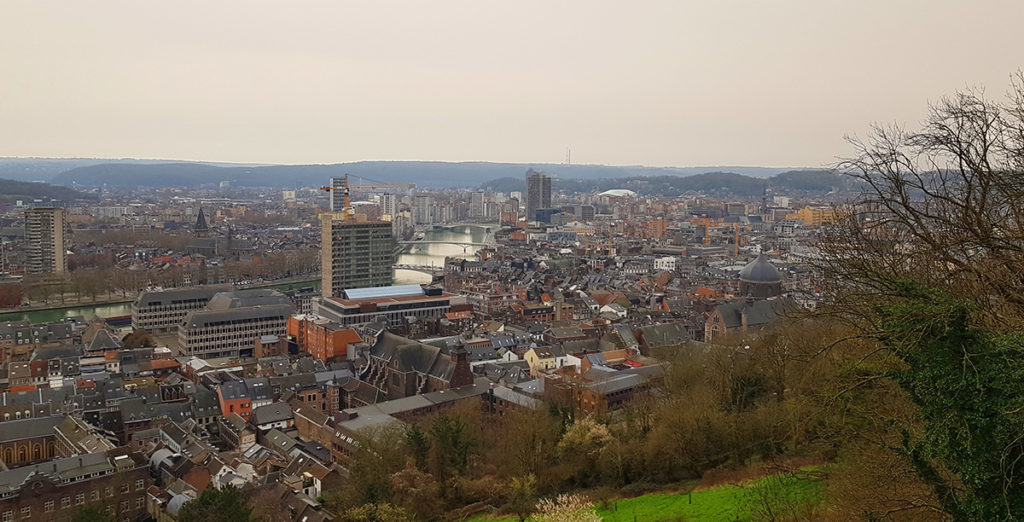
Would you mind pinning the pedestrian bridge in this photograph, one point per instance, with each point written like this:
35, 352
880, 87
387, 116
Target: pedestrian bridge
429, 269
443, 242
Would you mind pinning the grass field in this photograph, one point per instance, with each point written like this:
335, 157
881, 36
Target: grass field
778, 494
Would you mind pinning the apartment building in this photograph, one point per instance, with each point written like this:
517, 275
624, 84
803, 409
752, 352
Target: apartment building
46, 231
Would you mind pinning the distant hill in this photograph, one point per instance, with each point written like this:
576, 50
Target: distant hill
424, 173
720, 184
45, 169
12, 190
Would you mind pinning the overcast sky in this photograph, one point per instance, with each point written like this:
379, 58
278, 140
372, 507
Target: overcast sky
668, 83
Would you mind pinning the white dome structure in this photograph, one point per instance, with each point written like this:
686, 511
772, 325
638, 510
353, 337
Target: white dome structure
619, 193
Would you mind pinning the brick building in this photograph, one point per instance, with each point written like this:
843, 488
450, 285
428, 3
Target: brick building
321, 338
28, 441
114, 482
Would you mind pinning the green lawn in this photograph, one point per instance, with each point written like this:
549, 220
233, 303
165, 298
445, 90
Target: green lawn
782, 494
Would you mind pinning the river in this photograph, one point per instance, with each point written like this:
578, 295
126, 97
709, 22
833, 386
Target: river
433, 254
426, 255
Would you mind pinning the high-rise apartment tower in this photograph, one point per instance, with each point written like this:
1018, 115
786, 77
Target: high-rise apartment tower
46, 234
538, 193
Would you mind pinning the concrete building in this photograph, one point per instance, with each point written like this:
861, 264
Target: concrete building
355, 254
338, 194
476, 205
46, 233
422, 210
388, 204
394, 303
538, 193
232, 322
162, 311
815, 216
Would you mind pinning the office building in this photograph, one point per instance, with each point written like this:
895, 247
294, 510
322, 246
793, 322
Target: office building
393, 303
538, 193
162, 311
46, 233
232, 322
337, 194
354, 254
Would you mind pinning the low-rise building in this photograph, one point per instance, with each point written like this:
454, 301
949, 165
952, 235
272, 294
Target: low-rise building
115, 482
392, 303
322, 338
163, 310
232, 322
234, 397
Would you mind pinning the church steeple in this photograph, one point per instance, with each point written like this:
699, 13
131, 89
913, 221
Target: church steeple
201, 229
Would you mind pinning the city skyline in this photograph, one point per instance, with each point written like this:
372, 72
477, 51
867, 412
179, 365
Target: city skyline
662, 84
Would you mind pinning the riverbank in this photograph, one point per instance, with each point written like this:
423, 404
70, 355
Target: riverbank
118, 306
441, 243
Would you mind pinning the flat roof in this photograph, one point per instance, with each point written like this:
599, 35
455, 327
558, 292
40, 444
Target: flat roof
378, 292
384, 302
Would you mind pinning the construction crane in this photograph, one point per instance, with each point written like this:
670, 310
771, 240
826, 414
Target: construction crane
706, 222
736, 240
373, 186
611, 238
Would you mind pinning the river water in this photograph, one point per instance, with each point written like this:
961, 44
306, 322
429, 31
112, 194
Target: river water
434, 254
425, 255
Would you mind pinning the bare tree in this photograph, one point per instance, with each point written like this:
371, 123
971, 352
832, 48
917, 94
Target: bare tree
943, 205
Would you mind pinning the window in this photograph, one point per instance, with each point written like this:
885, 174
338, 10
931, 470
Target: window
95, 495
65, 502
8, 515
125, 488
139, 484
48, 506
26, 511
80, 499
138, 502
124, 505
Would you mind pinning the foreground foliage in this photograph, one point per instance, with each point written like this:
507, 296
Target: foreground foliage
778, 497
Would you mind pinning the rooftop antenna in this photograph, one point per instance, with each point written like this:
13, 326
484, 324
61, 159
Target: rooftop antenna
568, 156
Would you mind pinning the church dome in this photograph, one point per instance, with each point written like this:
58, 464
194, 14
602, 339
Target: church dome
760, 270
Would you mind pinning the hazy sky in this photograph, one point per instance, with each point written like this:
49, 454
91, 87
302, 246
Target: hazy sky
678, 82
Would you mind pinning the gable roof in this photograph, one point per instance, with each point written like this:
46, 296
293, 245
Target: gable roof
757, 313
664, 334
411, 356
